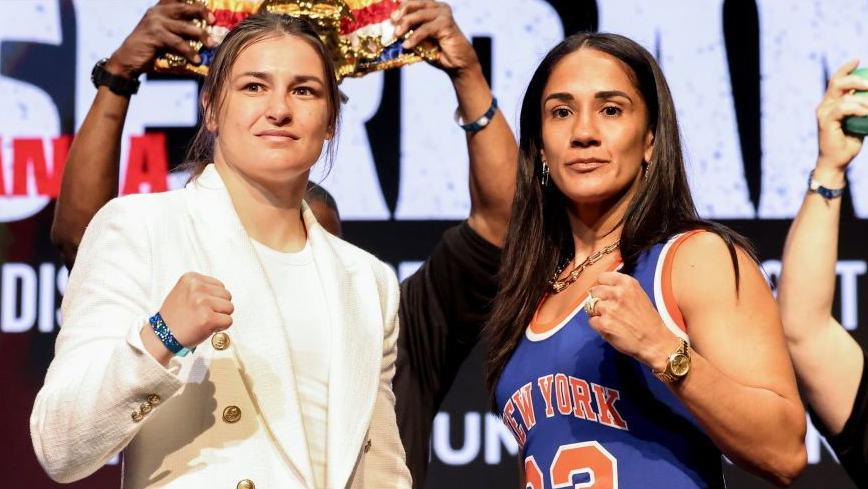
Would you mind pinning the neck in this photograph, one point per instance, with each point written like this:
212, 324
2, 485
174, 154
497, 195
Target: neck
599, 224
269, 211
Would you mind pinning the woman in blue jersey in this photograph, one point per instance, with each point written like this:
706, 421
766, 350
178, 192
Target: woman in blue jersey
616, 361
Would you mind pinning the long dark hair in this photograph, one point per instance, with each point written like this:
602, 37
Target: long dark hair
540, 236
255, 28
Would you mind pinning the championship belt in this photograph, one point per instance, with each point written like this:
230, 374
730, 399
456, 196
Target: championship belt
227, 13
369, 39
358, 33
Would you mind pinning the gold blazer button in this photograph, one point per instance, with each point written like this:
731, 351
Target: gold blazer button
220, 341
231, 415
245, 484
137, 416
154, 399
145, 408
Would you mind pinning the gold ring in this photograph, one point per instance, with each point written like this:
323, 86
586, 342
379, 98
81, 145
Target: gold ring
591, 305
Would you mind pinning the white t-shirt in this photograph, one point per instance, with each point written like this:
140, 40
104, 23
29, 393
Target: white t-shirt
296, 285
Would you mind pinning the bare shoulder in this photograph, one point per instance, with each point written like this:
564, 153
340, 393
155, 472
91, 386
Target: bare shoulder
703, 269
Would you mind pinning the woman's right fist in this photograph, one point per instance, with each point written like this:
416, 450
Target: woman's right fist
197, 307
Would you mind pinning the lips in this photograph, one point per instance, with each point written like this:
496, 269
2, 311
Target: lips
584, 165
277, 135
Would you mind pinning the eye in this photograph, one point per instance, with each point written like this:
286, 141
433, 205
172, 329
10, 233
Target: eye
304, 91
560, 112
612, 111
253, 87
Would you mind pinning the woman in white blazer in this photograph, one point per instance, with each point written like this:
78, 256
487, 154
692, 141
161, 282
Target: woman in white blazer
293, 331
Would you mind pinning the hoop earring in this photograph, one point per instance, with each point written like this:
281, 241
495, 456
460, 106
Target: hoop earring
544, 180
646, 167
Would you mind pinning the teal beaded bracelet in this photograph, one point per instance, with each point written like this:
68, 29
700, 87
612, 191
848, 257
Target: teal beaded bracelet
167, 338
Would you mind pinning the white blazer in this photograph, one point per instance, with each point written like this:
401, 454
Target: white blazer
131, 256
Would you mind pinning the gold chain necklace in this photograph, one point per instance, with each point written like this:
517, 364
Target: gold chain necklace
558, 285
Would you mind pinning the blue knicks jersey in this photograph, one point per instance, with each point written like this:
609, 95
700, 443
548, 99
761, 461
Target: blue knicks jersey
586, 415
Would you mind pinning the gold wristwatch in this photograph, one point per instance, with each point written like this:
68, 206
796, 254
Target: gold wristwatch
677, 365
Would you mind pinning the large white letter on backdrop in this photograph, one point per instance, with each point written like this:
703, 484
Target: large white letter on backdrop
28, 112
434, 154
801, 43
689, 38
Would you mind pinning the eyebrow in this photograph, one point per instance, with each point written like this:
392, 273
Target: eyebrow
296, 79
604, 95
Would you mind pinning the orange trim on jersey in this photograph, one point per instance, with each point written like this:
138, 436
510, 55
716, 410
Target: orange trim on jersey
669, 301
535, 325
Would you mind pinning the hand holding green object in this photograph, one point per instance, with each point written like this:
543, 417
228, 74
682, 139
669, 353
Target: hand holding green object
858, 125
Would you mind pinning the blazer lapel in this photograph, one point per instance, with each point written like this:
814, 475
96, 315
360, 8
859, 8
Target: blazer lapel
259, 337
356, 318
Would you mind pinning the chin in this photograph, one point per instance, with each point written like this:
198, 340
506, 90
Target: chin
284, 162
587, 193
589, 198
594, 190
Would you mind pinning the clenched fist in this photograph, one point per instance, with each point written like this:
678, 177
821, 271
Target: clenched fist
197, 307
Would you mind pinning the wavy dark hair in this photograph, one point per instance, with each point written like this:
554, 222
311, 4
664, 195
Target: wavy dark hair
539, 235
250, 30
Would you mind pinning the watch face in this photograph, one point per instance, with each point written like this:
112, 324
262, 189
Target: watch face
679, 364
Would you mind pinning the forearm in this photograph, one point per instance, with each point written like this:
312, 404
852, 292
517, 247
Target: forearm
90, 177
807, 283
493, 153
757, 428
805, 295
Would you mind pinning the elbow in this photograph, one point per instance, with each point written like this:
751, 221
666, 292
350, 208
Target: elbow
800, 317
55, 460
786, 460
56, 453
61, 474
62, 465
788, 466
779, 454
65, 241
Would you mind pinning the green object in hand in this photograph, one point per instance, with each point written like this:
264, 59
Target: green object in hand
853, 124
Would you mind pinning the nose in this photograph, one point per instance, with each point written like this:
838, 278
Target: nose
585, 131
279, 110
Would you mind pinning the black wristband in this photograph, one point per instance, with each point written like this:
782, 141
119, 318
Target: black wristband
120, 85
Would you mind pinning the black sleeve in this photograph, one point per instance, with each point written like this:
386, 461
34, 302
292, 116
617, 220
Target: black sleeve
851, 444
443, 307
